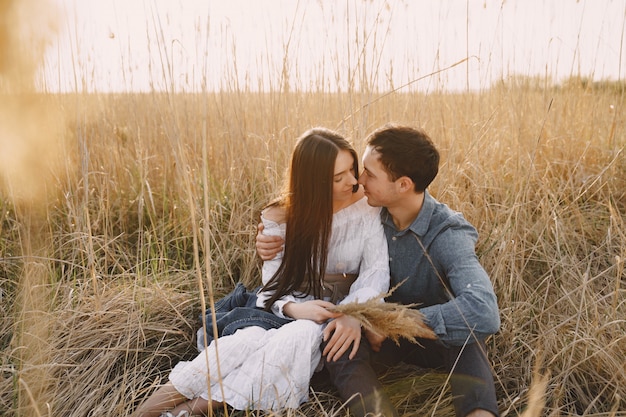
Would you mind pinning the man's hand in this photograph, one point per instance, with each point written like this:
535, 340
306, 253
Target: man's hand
346, 331
376, 340
316, 310
268, 246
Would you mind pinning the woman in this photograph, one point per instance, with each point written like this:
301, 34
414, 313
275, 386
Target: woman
331, 236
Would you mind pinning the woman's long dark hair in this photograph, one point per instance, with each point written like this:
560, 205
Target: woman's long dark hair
308, 203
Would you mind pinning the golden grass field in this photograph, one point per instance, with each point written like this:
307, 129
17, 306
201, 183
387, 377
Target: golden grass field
147, 205
123, 215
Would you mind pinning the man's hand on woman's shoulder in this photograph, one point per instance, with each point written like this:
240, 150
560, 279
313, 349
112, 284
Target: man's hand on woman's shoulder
268, 246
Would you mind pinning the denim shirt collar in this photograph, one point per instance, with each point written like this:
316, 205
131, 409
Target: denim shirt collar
421, 223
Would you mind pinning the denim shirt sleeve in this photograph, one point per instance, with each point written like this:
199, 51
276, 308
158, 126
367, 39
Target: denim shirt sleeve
472, 312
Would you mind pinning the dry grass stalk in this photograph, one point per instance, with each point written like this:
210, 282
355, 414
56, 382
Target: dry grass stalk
391, 320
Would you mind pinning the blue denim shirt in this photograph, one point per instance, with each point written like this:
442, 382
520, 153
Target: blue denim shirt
437, 257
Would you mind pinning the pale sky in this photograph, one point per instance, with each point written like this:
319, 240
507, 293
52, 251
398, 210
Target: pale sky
197, 45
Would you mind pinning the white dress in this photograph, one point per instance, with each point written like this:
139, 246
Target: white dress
271, 369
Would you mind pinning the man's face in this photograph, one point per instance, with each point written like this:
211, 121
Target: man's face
379, 189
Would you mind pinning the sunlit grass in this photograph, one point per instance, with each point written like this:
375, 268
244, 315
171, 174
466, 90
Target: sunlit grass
129, 210
542, 180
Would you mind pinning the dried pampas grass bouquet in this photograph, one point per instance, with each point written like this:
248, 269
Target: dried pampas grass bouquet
392, 320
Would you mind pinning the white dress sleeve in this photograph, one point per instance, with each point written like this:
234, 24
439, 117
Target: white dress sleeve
373, 279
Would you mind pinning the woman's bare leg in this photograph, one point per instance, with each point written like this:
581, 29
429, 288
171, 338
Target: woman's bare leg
197, 406
164, 398
167, 398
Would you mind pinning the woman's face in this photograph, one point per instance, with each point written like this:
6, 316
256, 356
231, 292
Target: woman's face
344, 177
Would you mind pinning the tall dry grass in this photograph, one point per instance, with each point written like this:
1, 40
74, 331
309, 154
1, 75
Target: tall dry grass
108, 254
163, 184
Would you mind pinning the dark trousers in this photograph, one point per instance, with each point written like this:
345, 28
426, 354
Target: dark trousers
471, 380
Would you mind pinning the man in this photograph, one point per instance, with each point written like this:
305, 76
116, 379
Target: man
432, 253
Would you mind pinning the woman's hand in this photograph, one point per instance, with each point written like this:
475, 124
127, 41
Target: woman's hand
316, 310
268, 246
346, 331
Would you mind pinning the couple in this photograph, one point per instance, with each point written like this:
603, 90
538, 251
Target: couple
428, 245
